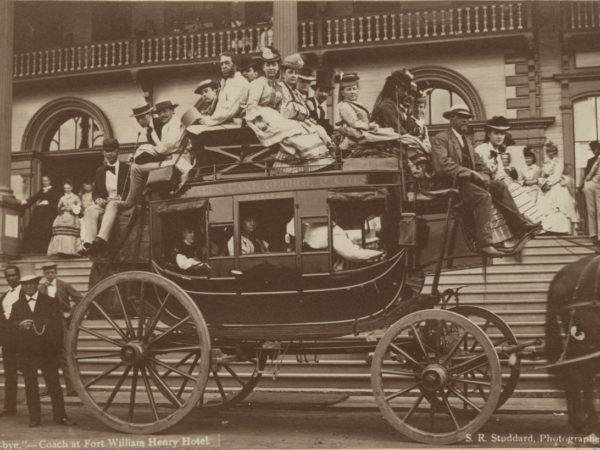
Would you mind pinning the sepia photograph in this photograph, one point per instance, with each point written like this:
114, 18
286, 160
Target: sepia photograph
440, 160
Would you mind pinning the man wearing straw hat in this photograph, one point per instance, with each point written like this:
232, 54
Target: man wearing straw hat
207, 90
39, 334
455, 159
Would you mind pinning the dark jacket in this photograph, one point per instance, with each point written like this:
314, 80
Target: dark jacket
588, 166
48, 323
122, 182
65, 294
52, 196
388, 114
446, 152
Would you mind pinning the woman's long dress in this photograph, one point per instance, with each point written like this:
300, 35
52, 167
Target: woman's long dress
355, 126
531, 174
39, 231
66, 229
556, 202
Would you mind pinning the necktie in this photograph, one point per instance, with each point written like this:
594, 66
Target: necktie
31, 299
110, 169
149, 135
467, 161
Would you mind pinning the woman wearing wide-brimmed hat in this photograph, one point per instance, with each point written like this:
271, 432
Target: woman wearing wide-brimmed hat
355, 124
490, 153
266, 90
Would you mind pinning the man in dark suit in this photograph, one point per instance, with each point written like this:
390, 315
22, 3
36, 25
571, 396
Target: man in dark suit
111, 183
454, 158
7, 336
67, 296
39, 338
595, 148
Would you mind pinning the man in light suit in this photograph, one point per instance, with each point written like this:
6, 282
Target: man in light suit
111, 184
67, 296
454, 158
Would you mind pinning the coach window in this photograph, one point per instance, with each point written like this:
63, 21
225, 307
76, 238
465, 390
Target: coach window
220, 226
176, 219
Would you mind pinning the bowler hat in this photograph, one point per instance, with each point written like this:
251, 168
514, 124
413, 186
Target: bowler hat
246, 62
203, 84
28, 274
498, 123
141, 110
270, 54
307, 74
293, 61
167, 104
460, 110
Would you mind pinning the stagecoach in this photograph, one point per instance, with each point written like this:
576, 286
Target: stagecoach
175, 340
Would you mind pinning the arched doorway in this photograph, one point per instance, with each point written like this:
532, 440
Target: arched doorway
65, 137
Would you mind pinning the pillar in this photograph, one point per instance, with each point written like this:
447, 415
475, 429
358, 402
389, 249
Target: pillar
9, 215
285, 26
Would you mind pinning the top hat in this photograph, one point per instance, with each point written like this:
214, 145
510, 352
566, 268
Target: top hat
203, 84
28, 274
293, 61
347, 79
460, 110
141, 110
307, 74
246, 62
270, 54
403, 77
498, 123
167, 104
49, 266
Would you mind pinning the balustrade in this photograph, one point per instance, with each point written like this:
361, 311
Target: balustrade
582, 16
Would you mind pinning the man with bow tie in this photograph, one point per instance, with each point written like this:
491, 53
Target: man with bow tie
66, 296
111, 184
39, 336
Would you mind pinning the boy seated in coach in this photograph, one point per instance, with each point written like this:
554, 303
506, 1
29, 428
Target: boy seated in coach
187, 253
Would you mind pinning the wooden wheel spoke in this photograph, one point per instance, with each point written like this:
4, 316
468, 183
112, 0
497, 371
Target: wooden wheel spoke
398, 350
101, 336
103, 374
219, 385
172, 369
420, 342
190, 371
190, 348
402, 392
449, 409
98, 356
470, 381
133, 392
124, 311
235, 375
431, 416
149, 392
116, 388
164, 388
141, 312
454, 348
169, 331
399, 373
110, 321
154, 321
465, 399
500, 341
414, 407
469, 365
179, 363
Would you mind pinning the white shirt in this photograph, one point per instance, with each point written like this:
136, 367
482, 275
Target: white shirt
169, 136
111, 180
9, 300
51, 289
33, 302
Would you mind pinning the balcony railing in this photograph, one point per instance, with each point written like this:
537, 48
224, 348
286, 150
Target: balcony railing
582, 16
139, 52
484, 19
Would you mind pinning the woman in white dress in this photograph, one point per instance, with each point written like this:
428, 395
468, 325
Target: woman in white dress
555, 200
531, 174
65, 229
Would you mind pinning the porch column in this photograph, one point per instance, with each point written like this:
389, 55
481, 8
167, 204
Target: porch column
9, 217
285, 26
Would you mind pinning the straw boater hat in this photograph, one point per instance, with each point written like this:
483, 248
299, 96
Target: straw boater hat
307, 74
347, 79
141, 110
498, 123
293, 61
167, 104
205, 83
49, 266
270, 54
460, 110
28, 274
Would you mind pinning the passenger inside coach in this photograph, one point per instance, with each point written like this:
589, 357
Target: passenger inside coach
188, 253
249, 242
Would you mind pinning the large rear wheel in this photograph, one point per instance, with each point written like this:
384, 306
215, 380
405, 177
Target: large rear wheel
419, 368
138, 352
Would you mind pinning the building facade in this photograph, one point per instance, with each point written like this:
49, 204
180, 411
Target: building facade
79, 68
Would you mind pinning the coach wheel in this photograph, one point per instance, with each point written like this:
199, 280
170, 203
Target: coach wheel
419, 368
500, 334
138, 352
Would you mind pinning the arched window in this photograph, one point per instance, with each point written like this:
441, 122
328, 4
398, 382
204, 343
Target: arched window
439, 100
586, 128
78, 130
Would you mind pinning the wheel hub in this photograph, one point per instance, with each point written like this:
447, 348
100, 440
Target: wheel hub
133, 352
434, 377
